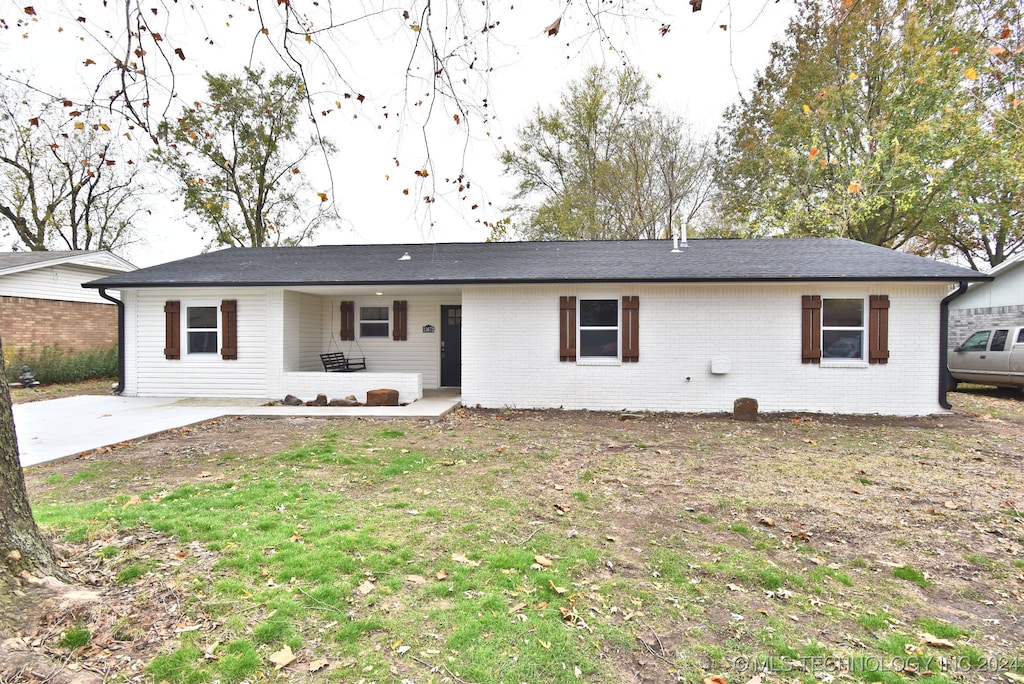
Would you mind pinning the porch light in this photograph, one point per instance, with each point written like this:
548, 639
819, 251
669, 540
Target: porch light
378, 293
405, 257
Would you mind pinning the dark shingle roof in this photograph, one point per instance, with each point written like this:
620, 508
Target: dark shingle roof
728, 260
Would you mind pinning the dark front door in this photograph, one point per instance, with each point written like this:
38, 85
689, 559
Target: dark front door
451, 346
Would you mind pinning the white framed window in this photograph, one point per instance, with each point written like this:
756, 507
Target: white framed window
842, 328
374, 321
598, 329
202, 329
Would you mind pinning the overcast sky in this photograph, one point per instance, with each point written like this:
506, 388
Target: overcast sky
696, 69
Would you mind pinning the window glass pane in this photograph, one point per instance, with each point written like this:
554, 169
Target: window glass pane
599, 343
202, 317
1020, 336
373, 329
599, 312
999, 340
373, 313
976, 342
202, 342
841, 344
842, 313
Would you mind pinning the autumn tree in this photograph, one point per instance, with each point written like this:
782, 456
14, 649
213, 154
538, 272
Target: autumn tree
984, 220
67, 181
238, 160
607, 164
857, 127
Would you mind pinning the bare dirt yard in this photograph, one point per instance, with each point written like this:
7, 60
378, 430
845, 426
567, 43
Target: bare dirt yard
499, 546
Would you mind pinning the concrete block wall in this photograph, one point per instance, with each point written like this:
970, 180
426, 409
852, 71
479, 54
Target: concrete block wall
74, 326
963, 322
510, 351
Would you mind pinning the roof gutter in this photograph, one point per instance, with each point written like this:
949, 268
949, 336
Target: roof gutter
944, 377
120, 338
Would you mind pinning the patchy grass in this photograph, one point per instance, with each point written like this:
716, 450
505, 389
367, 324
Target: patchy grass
561, 547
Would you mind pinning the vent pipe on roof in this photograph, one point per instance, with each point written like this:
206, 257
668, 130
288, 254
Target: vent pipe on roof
676, 241
405, 257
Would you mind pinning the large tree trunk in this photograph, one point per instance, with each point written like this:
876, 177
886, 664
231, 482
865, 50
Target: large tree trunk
22, 547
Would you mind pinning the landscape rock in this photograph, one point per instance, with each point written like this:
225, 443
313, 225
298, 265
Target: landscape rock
321, 400
745, 409
292, 400
343, 402
382, 397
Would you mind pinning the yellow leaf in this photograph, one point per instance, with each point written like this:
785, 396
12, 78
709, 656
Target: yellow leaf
79, 125
543, 561
807, 110
309, 38
971, 74
854, 187
557, 590
415, 28
853, 76
322, 196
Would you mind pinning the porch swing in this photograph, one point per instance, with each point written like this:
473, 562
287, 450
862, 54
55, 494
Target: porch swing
338, 362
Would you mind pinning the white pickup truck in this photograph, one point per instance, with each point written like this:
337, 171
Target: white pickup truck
990, 357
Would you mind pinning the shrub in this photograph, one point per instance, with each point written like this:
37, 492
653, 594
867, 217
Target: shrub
52, 364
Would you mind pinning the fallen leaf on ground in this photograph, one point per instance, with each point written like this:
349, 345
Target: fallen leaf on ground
366, 588
518, 607
283, 657
442, 574
543, 561
932, 640
557, 590
317, 665
715, 679
461, 558
415, 579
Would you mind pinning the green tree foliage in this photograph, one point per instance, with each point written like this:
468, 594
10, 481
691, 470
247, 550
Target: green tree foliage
66, 179
606, 164
857, 127
239, 161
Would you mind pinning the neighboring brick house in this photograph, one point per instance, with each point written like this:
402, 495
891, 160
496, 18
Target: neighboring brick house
813, 324
997, 302
43, 303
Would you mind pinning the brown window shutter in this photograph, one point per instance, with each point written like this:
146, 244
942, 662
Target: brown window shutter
229, 330
399, 329
348, 321
878, 330
811, 329
630, 329
567, 329
172, 330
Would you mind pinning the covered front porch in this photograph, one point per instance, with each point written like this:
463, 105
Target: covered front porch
409, 337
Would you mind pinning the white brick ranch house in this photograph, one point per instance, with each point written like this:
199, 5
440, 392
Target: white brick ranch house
817, 325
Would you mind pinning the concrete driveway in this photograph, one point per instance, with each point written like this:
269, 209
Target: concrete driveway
60, 428
54, 429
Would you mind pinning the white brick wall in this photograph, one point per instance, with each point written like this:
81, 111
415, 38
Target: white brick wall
510, 351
